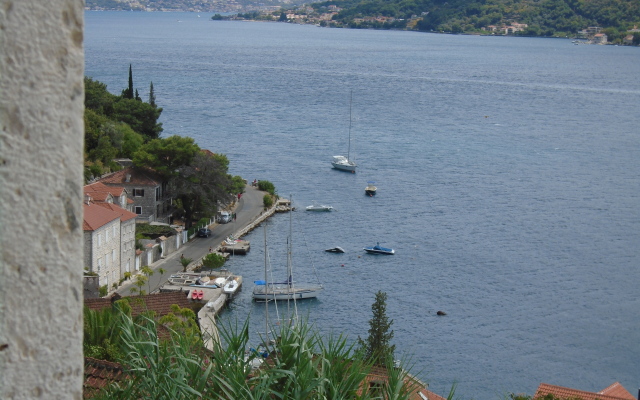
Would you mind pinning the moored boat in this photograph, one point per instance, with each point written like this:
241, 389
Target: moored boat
377, 249
371, 189
319, 207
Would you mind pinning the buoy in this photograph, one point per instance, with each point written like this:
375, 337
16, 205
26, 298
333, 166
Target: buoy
342, 265
441, 313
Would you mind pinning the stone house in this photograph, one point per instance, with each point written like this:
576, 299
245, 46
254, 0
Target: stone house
151, 200
109, 241
101, 193
599, 38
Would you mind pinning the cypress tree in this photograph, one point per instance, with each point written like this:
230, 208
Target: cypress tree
377, 347
128, 93
152, 96
137, 96
130, 83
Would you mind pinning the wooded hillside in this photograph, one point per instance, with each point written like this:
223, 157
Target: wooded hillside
558, 18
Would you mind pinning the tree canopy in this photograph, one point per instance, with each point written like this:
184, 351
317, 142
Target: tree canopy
116, 126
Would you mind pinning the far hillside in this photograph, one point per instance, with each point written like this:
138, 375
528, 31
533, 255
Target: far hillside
549, 18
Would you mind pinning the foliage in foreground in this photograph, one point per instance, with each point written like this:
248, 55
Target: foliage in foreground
301, 364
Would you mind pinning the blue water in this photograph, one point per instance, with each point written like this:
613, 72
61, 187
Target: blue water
507, 173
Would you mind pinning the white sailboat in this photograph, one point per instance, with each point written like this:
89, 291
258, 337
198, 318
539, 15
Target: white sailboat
288, 289
341, 162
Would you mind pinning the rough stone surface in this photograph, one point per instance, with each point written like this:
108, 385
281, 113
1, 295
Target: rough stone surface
41, 151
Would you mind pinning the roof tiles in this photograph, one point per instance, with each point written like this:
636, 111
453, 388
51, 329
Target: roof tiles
613, 392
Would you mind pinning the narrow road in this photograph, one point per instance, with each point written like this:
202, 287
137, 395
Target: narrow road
247, 210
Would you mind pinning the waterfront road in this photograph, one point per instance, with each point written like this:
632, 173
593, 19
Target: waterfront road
247, 209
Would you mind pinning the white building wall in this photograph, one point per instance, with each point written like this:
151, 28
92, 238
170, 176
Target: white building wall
41, 178
106, 253
128, 246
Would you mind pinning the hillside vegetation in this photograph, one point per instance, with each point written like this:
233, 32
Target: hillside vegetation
558, 18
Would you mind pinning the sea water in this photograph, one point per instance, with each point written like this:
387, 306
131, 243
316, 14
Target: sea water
507, 173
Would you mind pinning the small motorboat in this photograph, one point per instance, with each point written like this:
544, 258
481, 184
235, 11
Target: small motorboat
377, 249
336, 249
319, 207
231, 287
371, 189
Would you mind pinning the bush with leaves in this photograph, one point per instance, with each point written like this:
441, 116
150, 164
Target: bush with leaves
213, 261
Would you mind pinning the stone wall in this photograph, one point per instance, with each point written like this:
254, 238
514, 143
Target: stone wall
41, 162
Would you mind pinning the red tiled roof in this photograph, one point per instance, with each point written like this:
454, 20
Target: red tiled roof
139, 176
98, 374
99, 191
96, 217
615, 392
379, 373
160, 303
124, 214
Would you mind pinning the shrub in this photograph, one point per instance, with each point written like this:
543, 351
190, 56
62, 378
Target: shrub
103, 290
267, 186
267, 200
213, 261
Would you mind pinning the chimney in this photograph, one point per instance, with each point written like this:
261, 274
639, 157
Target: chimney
127, 178
87, 199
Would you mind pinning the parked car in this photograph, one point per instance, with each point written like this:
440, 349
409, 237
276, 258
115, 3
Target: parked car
225, 217
204, 232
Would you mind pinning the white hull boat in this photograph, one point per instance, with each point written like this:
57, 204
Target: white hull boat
319, 207
343, 163
231, 287
377, 249
288, 290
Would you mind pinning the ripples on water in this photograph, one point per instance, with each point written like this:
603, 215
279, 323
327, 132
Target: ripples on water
507, 171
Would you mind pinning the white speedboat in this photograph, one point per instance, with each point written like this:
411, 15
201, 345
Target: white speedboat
231, 286
371, 189
319, 207
377, 249
336, 249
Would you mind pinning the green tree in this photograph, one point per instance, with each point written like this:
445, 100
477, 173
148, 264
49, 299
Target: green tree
213, 261
97, 97
152, 96
377, 347
185, 263
141, 116
267, 200
166, 155
200, 185
128, 93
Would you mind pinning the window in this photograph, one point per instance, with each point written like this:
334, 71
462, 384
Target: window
114, 231
106, 235
99, 239
113, 255
157, 193
138, 210
99, 263
138, 192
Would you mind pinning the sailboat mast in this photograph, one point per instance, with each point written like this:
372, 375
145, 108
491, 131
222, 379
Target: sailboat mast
349, 143
266, 287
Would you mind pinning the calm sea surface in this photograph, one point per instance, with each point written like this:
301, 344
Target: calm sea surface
508, 174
